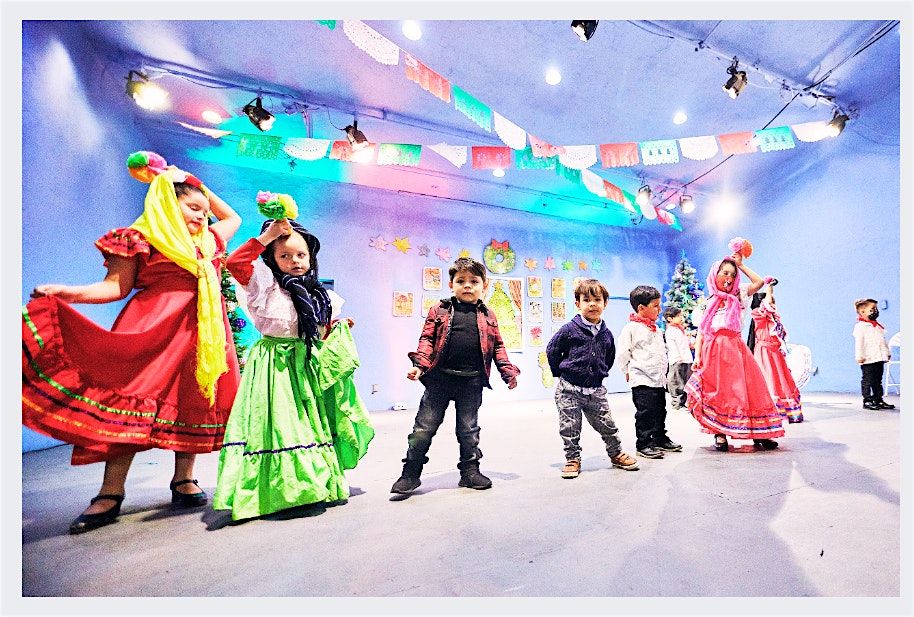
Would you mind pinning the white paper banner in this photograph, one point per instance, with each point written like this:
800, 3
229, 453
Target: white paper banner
660, 151
456, 155
698, 148
578, 157
306, 149
511, 134
592, 182
811, 131
371, 42
208, 131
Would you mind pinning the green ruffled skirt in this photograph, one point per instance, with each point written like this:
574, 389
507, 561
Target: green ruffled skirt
295, 426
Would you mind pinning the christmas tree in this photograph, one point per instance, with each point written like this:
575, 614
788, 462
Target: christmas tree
235, 317
684, 291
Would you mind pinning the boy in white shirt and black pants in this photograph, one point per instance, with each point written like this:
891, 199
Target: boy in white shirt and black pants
679, 355
641, 355
871, 352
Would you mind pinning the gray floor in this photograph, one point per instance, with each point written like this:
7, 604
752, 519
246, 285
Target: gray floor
819, 517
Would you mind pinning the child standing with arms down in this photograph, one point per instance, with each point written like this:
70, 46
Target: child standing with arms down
768, 342
871, 352
459, 340
297, 422
679, 356
727, 393
580, 354
642, 359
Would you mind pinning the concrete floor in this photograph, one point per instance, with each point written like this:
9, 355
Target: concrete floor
818, 517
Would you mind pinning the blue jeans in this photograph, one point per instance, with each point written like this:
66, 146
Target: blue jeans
440, 390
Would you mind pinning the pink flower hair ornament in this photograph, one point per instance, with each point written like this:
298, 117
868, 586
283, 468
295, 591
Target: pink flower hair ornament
145, 165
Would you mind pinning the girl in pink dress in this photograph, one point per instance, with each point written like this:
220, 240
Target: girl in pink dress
768, 342
727, 393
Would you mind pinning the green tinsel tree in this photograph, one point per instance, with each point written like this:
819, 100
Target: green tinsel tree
235, 317
684, 291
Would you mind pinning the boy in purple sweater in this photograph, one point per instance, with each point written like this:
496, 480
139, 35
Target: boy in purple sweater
580, 354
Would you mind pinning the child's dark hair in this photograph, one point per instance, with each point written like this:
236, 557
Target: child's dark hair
592, 288
469, 264
862, 301
642, 295
185, 188
671, 312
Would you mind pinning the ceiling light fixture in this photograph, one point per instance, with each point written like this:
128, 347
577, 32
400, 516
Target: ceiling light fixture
260, 117
411, 30
584, 29
553, 77
213, 117
356, 138
644, 195
836, 124
680, 117
686, 203
145, 93
737, 80
498, 172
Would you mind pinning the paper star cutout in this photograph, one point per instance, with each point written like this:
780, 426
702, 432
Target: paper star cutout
595, 265
444, 254
402, 245
582, 265
464, 253
567, 265
550, 263
378, 243
424, 250
530, 264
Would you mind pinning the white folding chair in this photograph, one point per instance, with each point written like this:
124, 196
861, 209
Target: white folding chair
890, 379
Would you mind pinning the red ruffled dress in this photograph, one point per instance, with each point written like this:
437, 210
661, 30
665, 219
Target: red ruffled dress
131, 388
771, 359
728, 394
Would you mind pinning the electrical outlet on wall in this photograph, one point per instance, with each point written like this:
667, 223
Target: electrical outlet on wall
375, 388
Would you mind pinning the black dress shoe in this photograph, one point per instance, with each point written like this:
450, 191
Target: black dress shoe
187, 500
88, 522
720, 443
668, 445
872, 405
883, 405
650, 452
764, 444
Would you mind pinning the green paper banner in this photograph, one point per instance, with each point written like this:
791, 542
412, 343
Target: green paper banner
399, 154
572, 175
265, 147
777, 138
524, 159
330, 23
472, 108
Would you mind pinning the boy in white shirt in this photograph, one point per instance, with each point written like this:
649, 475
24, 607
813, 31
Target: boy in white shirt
679, 356
871, 352
641, 355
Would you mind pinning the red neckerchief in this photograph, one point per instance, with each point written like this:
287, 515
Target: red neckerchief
643, 320
872, 322
677, 325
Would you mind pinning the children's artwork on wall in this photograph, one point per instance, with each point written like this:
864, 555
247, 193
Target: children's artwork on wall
536, 336
558, 288
577, 280
428, 301
505, 297
403, 304
431, 278
558, 311
535, 311
547, 378
535, 286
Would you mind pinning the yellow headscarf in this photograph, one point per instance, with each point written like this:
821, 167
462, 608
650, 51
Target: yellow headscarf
162, 223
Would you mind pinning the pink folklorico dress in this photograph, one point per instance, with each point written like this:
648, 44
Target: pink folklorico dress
771, 355
728, 394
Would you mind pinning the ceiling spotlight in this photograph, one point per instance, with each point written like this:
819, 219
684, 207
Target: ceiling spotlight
686, 203
584, 29
836, 124
553, 77
680, 117
213, 117
644, 196
145, 93
259, 116
737, 80
411, 30
498, 172
356, 138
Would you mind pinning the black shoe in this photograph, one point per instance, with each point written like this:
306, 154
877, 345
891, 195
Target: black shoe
871, 405
473, 478
764, 444
88, 522
187, 500
650, 452
720, 443
409, 479
881, 404
668, 445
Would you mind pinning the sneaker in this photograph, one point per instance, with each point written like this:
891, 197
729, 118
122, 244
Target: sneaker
881, 404
650, 452
668, 445
624, 461
572, 469
405, 485
871, 405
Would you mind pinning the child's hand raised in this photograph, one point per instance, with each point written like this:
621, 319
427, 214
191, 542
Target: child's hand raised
414, 373
276, 229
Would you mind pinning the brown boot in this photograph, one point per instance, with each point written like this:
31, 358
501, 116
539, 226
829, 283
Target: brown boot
572, 469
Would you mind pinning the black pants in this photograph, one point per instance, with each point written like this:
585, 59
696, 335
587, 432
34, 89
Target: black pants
650, 416
440, 390
871, 383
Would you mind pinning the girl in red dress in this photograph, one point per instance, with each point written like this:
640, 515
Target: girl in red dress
727, 393
768, 342
165, 374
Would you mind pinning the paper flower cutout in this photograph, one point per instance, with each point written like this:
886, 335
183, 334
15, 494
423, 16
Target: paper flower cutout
424, 250
443, 253
595, 265
550, 263
378, 243
464, 253
402, 245
567, 265
582, 265
530, 264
